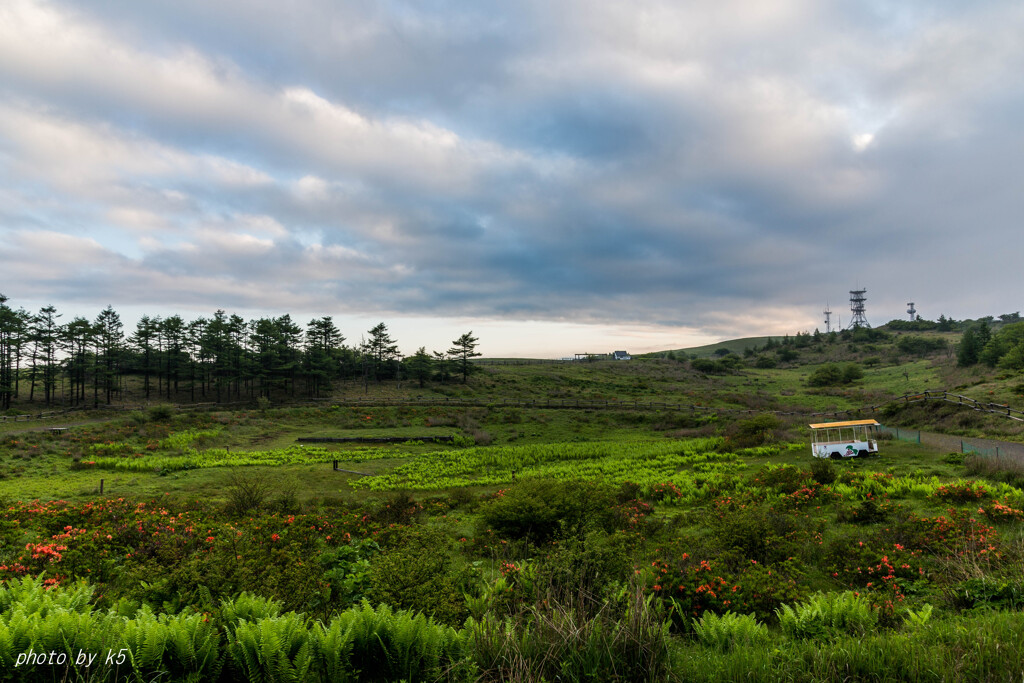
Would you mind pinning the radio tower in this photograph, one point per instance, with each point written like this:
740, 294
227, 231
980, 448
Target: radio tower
857, 300
911, 310
828, 319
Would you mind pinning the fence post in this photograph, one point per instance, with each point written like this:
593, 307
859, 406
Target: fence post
101, 487
961, 445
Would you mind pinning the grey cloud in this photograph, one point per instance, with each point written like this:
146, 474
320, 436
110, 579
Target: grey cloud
585, 160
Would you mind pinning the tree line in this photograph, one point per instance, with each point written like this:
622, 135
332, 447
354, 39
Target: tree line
220, 358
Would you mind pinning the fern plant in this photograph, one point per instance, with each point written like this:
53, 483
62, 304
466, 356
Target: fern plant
827, 615
728, 631
272, 649
32, 597
250, 608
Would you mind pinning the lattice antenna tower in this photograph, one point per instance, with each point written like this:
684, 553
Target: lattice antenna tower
828, 319
911, 311
857, 299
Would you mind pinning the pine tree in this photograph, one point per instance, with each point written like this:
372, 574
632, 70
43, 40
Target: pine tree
463, 349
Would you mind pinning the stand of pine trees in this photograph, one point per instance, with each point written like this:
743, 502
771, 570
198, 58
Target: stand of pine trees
222, 358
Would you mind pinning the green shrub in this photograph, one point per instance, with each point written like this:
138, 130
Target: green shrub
782, 478
754, 432
420, 572
539, 510
828, 615
161, 413
867, 513
246, 493
823, 471
347, 571
708, 366
399, 508
757, 533
587, 565
831, 375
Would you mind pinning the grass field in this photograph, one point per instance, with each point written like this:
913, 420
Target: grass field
612, 543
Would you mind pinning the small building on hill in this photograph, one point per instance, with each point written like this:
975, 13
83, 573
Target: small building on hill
621, 355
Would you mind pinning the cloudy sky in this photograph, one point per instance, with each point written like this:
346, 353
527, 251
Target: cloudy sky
558, 177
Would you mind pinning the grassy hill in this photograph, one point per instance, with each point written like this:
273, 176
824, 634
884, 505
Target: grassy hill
734, 345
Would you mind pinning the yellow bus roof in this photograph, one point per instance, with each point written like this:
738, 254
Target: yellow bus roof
851, 423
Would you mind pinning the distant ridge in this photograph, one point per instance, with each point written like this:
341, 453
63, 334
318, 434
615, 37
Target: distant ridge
734, 345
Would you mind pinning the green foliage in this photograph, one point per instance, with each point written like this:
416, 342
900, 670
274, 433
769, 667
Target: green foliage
728, 631
272, 649
555, 641
588, 564
369, 644
249, 607
181, 440
828, 615
992, 593
832, 374
757, 533
643, 461
866, 513
420, 572
161, 413
708, 366
787, 355
539, 510
755, 431
347, 571
782, 478
823, 471
920, 346
246, 493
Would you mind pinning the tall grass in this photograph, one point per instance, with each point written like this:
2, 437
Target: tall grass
978, 647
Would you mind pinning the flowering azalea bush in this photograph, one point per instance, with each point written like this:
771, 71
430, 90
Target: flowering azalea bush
961, 492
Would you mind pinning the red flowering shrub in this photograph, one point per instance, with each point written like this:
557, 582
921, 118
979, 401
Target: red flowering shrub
960, 492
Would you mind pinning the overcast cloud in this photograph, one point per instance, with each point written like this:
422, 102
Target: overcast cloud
655, 173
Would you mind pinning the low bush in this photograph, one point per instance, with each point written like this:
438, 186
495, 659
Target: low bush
823, 471
831, 375
161, 413
419, 571
246, 493
782, 478
540, 510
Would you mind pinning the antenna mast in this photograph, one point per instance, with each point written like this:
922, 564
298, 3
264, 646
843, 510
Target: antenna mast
857, 300
828, 319
911, 310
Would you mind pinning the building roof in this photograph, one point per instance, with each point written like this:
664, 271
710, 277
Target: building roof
850, 423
